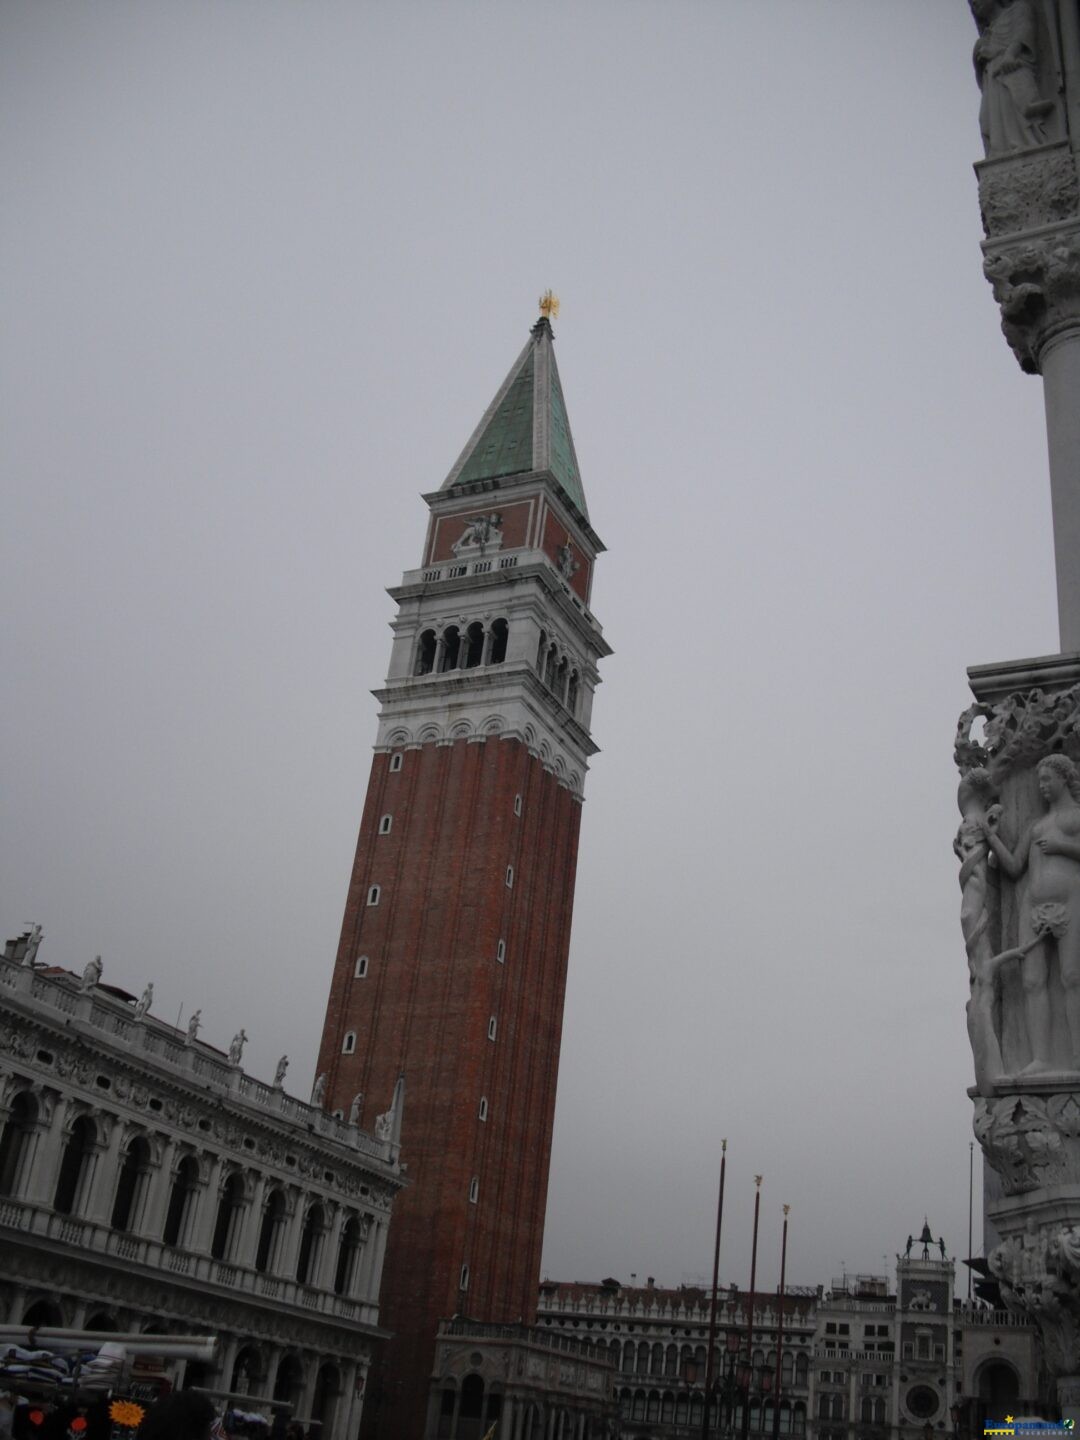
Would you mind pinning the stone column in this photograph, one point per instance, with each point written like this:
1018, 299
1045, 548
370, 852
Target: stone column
1060, 363
248, 1241
200, 1226
101, 1189
152, 1221
290, 1251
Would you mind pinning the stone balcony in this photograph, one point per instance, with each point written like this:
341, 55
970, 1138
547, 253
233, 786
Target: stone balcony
91, 1237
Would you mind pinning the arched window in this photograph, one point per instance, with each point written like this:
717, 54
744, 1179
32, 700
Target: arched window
473, 646
573, 692
247, 1372
643, 1358
289, 1381
229, 1214
75, 1167
425, 653
270, 1232
373, 895
798, 1419
657, 1365
385, 824
361, 967
639, 1404
17, 1143
472, 1400
787, 1368
802, 1365
628, 1355
879, 1411
311, 1238
181, 1211
667, 1408
131, 1185
541, 653
327, 1390
652, 1409
348, 1045
43, 1313
349, 1247
451, 638
671, 1360
562, 676
549, 667
500, 634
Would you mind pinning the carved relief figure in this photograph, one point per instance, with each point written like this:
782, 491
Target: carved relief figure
1013, 112
91, 975
564, 560
479, 532
1049, 853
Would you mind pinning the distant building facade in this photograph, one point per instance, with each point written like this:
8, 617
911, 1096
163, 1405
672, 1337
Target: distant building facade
148, 1184
530, 1382
858, 1361
656, 1340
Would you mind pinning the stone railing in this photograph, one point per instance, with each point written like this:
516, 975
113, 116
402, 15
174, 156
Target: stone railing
485, 565
527, 1335
969, 1315
95, 1239
96, 1010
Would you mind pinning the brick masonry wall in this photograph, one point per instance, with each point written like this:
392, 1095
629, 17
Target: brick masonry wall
433, 983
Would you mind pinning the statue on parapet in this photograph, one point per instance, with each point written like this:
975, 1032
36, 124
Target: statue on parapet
91, 975
146, 999
1014, 111
193, 1025
236, 1046
279, 1073
318, 1091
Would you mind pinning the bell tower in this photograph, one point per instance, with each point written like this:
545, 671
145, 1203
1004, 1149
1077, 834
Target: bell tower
451, 971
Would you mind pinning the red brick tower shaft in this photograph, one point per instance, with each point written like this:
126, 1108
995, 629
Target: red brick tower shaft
451, 970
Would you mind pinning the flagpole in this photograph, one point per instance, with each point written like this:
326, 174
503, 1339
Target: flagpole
780, 1332
712, 1308
750, 1311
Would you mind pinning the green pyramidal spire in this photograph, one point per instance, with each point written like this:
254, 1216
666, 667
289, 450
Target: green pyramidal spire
525, 428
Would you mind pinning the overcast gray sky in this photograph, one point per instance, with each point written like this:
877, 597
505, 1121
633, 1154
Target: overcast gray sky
263, 264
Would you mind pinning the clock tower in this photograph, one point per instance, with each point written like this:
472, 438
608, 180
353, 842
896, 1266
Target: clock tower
445, 1012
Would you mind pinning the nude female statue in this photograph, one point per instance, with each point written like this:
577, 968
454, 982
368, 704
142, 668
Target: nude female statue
1049, 851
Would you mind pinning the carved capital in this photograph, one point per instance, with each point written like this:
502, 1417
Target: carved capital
1037, 1268
1036, 283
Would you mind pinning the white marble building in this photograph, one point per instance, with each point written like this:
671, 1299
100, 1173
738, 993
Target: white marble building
147, 1183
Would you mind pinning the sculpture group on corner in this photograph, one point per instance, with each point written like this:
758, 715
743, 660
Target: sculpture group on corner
1019, 851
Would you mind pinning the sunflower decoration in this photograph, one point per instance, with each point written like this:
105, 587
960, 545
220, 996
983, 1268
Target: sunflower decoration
126, 1414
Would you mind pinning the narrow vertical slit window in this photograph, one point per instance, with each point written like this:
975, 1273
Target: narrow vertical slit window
385, 824
509, 876
474, 1190
500, 952
395, 763
493, 1025
483, 1107
361, 967
373, 895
